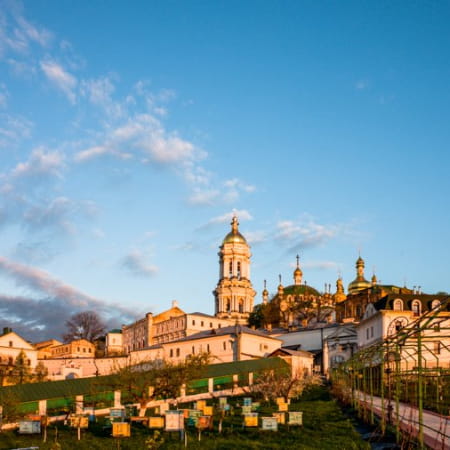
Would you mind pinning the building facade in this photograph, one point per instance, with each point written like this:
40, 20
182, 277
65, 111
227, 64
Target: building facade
234, 294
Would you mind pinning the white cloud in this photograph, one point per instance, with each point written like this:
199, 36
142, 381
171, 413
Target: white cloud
99, 92
360, 85
62, 79
13, 129
40, 163
55, 214
306, 234
241, 214
4, 94
256, 237
320, 265
234, 188
135, 263
39, 35
203, 197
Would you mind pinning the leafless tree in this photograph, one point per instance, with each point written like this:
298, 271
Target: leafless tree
84, 325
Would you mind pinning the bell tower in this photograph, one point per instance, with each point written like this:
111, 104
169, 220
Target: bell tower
234, 293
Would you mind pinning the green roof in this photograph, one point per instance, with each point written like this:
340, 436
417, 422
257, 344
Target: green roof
81, 386
299, 289
30, 392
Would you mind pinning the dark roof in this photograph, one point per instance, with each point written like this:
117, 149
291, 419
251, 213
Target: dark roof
289, 351
222, 332
387, 302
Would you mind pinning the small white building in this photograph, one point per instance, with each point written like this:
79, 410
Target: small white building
394, 313
301, 362
225, 344
339, 346
11, 344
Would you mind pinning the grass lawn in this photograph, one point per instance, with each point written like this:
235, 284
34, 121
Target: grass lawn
324, 427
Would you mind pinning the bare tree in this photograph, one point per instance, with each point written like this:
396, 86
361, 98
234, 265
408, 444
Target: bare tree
84, 325
274, 383
153, 379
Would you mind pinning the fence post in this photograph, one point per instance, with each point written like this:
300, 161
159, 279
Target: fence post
117, 399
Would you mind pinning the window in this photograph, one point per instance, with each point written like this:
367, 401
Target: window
84, 349
193, 350
193, 322
171, 352
371, 332
207, 348
437, 348
178, 352
225, 345
241, 306
239, 270
90, 350
10, 343
228, 305
10, 360
220, 325
202, 323
210, 325
398, 305
78, 349
230, 268
416, 307
435, 304
29, 362
367, 333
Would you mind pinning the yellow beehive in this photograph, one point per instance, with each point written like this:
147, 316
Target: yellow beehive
156, 422
121, 429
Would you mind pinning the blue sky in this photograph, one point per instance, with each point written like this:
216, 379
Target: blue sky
131, 132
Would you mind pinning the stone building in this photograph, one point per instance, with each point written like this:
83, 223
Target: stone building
167, 326
78, 348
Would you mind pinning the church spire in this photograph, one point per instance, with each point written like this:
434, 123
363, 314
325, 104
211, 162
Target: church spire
265, 294
298, 274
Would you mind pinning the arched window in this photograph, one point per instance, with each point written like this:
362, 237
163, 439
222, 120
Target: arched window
241, 306
435, 304
398, 305
416, 307
228, 305
239, 269
230, 268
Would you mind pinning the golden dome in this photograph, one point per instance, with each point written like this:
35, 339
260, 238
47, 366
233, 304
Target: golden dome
234, 237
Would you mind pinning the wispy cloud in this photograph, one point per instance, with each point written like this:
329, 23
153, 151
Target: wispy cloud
320, 265
361, 85
135, 262
56, 301
62, 79
305, 233
241, 214
40, 163
14, 129
203, 197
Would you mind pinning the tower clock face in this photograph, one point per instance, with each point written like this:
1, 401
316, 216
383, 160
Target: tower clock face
396, 325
